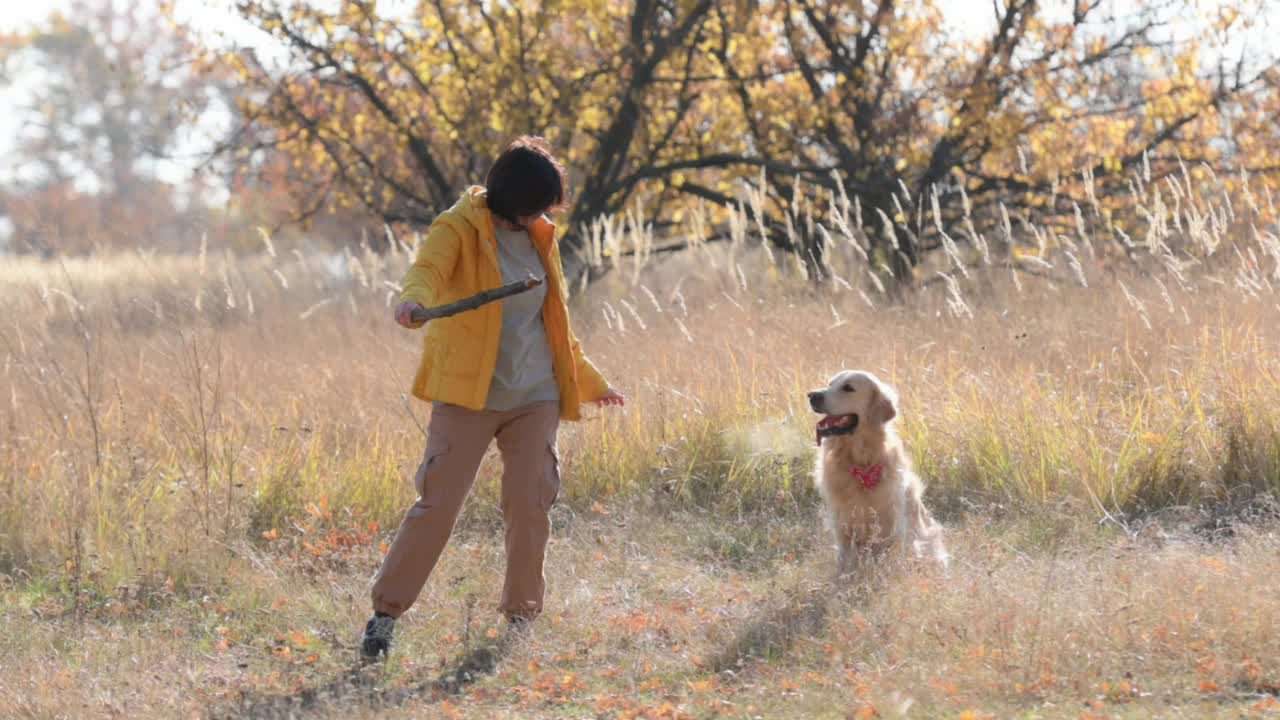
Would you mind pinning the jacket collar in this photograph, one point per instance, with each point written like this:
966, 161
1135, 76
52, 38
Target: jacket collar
475, 209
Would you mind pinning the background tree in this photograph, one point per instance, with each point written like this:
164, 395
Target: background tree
109, 97
914, 118
396, 114
907, 128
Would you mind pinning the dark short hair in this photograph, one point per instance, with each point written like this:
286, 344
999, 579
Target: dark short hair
525, 180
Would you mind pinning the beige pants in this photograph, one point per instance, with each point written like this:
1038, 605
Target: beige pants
457, 439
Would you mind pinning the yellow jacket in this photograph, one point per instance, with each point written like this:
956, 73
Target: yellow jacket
459, 258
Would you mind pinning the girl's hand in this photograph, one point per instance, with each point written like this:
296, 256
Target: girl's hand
404, 312
611, 397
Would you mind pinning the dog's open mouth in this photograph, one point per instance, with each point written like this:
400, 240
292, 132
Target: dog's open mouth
836, 425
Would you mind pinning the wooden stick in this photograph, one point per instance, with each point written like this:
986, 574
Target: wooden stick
422, 315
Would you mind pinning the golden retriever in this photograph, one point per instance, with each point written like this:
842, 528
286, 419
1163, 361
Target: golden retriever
873, 498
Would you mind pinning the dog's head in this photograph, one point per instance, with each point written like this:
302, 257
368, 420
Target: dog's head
853, 398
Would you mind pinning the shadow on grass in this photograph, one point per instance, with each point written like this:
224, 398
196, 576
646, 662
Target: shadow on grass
804, 613
360, 686
772, 632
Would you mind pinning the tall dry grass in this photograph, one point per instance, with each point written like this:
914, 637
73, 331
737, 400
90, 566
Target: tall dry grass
187, 427
156, 405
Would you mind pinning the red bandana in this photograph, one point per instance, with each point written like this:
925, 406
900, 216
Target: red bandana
868, 476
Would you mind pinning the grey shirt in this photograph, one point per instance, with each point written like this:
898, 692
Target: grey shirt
524, 373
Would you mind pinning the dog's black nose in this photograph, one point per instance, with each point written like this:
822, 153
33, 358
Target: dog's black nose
816, 400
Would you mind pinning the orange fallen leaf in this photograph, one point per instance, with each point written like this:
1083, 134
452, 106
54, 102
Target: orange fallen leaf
701, 686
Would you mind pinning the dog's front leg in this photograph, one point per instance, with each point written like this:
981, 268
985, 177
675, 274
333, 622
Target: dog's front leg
846, 560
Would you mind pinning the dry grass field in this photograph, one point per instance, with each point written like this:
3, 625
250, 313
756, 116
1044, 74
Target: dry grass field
202, 458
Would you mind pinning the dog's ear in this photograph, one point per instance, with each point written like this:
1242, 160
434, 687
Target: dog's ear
884, 405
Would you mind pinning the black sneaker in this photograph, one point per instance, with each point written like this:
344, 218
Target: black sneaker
376, 639
518, 626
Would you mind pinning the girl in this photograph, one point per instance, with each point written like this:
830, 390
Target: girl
509, 371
